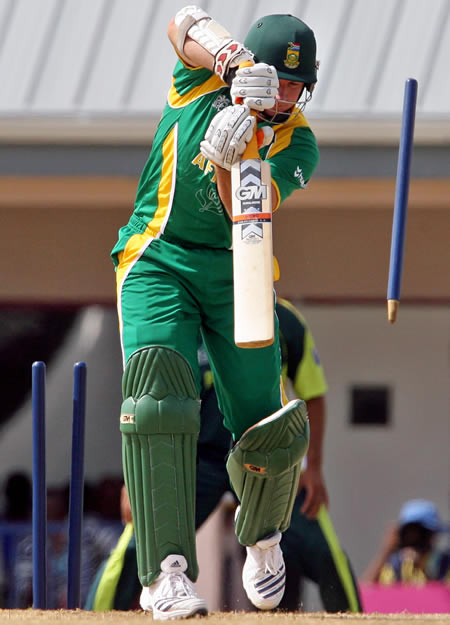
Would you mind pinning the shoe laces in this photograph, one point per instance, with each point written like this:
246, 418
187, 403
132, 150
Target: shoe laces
176, 585
268, 559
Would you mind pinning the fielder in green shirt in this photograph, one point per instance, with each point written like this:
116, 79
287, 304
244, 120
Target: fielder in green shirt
310, 545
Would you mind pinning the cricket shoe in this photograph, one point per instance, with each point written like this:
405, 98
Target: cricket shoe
172, 595
264, 573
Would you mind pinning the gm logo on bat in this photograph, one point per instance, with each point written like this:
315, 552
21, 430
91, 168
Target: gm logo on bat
252, 192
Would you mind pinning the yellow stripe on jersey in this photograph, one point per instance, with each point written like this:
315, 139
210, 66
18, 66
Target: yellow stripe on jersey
284, 397
283, 133
166, 187
137, 244
276, 203
176, 100
276, 269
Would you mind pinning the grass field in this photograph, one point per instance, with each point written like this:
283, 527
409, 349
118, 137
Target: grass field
81, 617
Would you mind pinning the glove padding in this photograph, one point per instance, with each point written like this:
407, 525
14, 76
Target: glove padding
229, 133
256, 86
229, 57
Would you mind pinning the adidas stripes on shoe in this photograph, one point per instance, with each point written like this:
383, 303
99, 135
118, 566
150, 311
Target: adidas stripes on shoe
264, 573
173, 594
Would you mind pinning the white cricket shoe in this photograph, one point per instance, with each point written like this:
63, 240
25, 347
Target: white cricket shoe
264, 573
173, 594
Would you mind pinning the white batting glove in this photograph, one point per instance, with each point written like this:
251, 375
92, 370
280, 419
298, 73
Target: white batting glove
229, 57
228, 135
256, 86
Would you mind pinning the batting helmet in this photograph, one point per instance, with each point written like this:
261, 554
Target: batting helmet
287, 43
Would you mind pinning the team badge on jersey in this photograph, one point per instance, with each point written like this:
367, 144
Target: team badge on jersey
298, 173
221, 102
292, 60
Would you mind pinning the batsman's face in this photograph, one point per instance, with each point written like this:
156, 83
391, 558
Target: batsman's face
288, 94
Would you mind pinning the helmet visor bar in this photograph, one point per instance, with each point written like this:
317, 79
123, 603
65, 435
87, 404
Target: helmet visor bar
280, 116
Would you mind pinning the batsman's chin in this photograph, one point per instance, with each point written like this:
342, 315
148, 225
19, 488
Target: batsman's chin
274, 116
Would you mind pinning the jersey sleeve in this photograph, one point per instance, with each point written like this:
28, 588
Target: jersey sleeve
186, 78
309, 381
293, 157
299, 352
190, 84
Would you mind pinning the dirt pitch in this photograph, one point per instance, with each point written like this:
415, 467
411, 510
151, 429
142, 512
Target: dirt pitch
80, 617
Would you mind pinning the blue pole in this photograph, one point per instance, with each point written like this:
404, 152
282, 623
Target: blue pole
76, 487
401, 198
39, 511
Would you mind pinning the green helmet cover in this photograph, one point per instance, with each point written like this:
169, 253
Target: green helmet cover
288, 44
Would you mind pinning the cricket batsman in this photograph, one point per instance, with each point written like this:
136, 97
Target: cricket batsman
174, 274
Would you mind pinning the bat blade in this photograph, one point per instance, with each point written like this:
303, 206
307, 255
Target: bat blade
252, 253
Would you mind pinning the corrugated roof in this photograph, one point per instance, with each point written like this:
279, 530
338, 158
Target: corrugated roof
103, 59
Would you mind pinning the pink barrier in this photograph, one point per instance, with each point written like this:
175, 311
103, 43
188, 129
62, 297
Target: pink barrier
433, 598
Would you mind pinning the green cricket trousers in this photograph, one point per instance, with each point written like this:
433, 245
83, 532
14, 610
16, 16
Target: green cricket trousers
170, 297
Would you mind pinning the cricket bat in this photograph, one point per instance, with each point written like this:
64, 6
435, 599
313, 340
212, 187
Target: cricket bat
252, 250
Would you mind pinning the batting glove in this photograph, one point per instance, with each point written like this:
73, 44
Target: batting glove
229, 133
256, 86
228, 59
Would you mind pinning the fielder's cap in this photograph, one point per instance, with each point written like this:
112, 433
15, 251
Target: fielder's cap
423, 512
287, 43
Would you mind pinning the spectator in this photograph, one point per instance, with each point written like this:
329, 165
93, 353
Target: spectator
56, 555
18, 497
100, 533
16, 525
409, 551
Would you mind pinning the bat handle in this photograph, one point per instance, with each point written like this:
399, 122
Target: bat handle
251, 151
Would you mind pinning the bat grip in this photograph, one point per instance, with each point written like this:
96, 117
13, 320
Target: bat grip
251, 151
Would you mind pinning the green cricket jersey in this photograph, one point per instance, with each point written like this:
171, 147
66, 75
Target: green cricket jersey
177, 198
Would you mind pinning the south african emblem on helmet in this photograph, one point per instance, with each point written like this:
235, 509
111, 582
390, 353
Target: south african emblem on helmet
292, 60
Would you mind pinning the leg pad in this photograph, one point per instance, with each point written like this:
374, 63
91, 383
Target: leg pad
264, 468
160, 421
